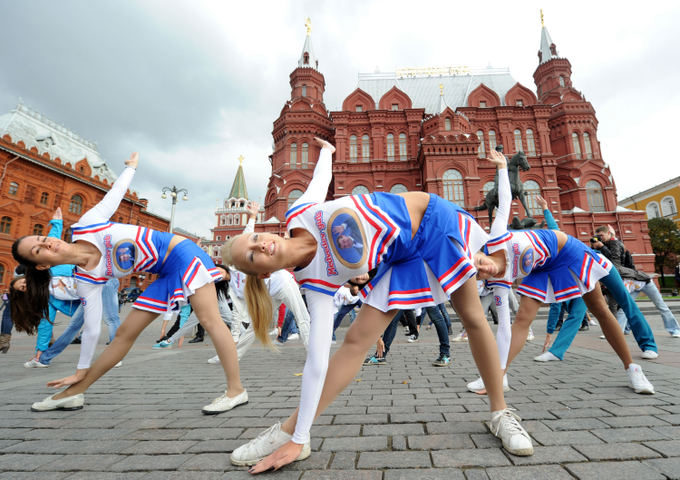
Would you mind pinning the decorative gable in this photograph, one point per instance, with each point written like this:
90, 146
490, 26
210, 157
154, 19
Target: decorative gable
483, 96
395, 98
358, 101
520, 96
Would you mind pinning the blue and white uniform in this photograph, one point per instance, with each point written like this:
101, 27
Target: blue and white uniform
358, 233
126, 249
548, 274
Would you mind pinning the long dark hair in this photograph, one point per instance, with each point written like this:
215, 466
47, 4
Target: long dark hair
222, 286
29, 307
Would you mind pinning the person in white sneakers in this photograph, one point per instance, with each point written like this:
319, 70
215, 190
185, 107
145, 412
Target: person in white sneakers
422, 247
552, 267
102, 249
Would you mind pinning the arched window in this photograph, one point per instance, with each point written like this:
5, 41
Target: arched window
304, 90
236, 220
2, 273
293, 155
353, 148
305, 155
652, 210
359, 190
587, 146
453, 186
305, 59
13, 188
481, 151
37, 229
292, 196
68, 234
668, 207
487, 187
44, 197
402, 147
398, 188
447, 124
561, 81
594, 195
492, 139
518, 140
576, 144
76, 204
531, 145
5, 224
365, 148
390, 147
532, 190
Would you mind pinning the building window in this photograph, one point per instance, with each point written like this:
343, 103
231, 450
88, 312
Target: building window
531, 145
218, 238
594, 195
653, 210
304, 90
668, 207
395, 106
44, 197
305, 155
518, 140
447, 124
453, 186
587, 146
488, 186
398, 188
293, 196
2, 274
576, 144
366, 148
481, 151
359, 190
76, 204
531, 191
353, 148
68, 234
293, 155
5, 224
359, 108
223, 220
37, 229
519, 103
403, 154
482, 104
492, 139
305, 58
390, 147
561, 81
13, 188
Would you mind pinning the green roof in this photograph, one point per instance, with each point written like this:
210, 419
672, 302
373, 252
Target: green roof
238, 189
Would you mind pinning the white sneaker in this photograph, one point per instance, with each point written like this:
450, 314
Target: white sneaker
214, 360
676, 334
546, 357
293, 336
119, 364
530, 336
33, 363
461, 337
412, 339
274, 332
74, 402
264, 444
478, 385
224, 403
649, 355
236, 335
505, 425
638, 380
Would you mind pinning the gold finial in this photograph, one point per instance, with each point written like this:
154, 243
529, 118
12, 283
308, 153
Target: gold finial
240, 159
308, 24
441, 89
542, 24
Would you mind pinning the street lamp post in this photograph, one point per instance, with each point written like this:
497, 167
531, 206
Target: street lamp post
174, 193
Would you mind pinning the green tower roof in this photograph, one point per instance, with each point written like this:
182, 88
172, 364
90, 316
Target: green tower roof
238, 188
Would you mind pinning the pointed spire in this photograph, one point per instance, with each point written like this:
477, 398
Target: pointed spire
442, 103
548, 50
238, 189
308, 59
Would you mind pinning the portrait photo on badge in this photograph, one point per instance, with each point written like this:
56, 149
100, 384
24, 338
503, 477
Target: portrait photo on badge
348, 238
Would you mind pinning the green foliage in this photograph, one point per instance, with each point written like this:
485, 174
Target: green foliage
665, 238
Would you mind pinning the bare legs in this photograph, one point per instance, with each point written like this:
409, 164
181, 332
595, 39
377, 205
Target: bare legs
482, 342
347, 360
610, 327
126, 335
528, 308
204, 303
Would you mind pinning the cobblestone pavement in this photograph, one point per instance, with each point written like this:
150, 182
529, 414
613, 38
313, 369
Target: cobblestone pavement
403, 420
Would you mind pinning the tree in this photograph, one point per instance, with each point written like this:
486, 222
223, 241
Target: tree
665, 238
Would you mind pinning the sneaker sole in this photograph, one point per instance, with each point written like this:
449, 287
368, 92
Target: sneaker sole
644, 391
217, 412
57, 408
248, 463
440, 364
523, 452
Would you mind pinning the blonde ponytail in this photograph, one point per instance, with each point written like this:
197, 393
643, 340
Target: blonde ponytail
259, 307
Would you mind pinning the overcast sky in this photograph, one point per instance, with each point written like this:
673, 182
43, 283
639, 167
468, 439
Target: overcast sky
192, 85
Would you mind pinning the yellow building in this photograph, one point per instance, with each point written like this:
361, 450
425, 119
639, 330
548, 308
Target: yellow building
659, 201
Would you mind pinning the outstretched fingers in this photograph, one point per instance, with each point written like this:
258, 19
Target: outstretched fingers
285, 455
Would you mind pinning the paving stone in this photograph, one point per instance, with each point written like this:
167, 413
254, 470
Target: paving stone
553, 472
354, 444
477, 457
439, 442
342, 475
635, 434
344, 461
668, 448
394, 460
618, 470
547, 455
136, 463
398, 429
666, 466
422, 474
76, 463
617, 451
25, 463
